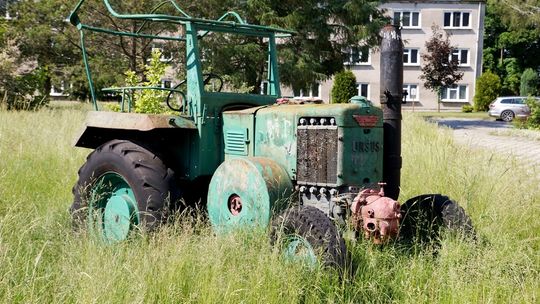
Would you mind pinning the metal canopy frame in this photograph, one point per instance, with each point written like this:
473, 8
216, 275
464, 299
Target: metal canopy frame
195, 29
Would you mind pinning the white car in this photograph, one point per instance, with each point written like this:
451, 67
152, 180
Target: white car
510, 107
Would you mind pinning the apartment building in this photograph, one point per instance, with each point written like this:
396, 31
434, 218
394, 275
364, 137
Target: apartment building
463, 20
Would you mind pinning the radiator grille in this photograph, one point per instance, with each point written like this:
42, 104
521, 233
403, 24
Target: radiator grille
317, 155
235, 142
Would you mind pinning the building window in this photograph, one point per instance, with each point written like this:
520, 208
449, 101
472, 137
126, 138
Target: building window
457, 19
58, 90
4, 10
410, 57
166, 56
407, 19
363, 90
358, 55
455, 93
461, 55
412, 92
314, 91
166, 84
264, 87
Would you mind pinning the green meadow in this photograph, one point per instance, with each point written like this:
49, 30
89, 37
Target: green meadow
42, 260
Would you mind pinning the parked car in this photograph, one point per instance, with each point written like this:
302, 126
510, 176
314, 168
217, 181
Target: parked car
510, 107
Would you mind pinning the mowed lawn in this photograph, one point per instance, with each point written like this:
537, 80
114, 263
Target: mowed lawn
43, 261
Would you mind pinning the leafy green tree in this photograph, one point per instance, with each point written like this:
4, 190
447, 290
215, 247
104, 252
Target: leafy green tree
512, 40
324, 31
488, 87
439, 69
529, 83
344, 87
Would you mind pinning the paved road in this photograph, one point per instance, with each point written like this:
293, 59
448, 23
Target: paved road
479, 134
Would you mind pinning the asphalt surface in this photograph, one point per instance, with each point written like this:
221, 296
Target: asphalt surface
479, 134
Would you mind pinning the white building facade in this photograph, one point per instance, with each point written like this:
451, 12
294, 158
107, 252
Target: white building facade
462, 20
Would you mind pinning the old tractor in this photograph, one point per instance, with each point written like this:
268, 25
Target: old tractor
258, 160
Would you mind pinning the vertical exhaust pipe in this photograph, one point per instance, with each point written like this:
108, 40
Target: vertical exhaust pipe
391, 98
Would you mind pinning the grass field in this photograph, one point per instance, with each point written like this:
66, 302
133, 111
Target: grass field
43, 261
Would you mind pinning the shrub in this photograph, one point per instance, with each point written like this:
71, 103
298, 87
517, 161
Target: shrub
467, 109
344, 87
22, 85
488, 87
529, 83
147, 100
533, 122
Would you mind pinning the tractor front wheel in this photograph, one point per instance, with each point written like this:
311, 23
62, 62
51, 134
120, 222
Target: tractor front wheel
123, 186
305, 233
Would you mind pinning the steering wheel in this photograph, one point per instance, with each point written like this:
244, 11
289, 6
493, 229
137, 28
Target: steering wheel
168, 100
209, 76
207, 81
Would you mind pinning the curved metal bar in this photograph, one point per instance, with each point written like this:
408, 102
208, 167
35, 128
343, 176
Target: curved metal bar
119, 89
235, 15
175, 5
107, 31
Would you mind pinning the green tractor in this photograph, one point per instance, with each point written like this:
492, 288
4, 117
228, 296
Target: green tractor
257, 160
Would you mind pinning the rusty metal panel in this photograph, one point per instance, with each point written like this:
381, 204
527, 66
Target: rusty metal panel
134, 121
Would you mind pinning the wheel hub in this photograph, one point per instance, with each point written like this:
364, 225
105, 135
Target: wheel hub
113, 209
118, 218
298, 249
235, 204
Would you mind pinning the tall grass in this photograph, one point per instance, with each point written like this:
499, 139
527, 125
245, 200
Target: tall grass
43, 261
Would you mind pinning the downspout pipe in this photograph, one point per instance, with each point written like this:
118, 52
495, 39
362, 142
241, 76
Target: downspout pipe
391, 97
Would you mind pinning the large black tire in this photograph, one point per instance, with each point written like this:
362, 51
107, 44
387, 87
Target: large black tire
152, 182
316, 228
424, 216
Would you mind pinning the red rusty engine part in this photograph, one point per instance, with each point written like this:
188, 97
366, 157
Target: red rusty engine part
378, 216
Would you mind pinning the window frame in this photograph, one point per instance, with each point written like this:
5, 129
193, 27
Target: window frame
455, 87
359, 89
349, 60
164, 82
310, 95
408, 51
165, 56
452, 18
459, 53
400, 12
407, 86
59, 90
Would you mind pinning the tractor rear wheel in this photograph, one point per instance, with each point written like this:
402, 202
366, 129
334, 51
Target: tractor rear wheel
122, 186
305, 233
424, 216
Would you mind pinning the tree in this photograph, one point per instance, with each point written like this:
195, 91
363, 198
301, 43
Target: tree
512, 40
344, 87
324, 31
440, 69
529, 83
488, 87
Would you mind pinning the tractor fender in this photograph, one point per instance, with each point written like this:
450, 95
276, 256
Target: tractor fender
101, 127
